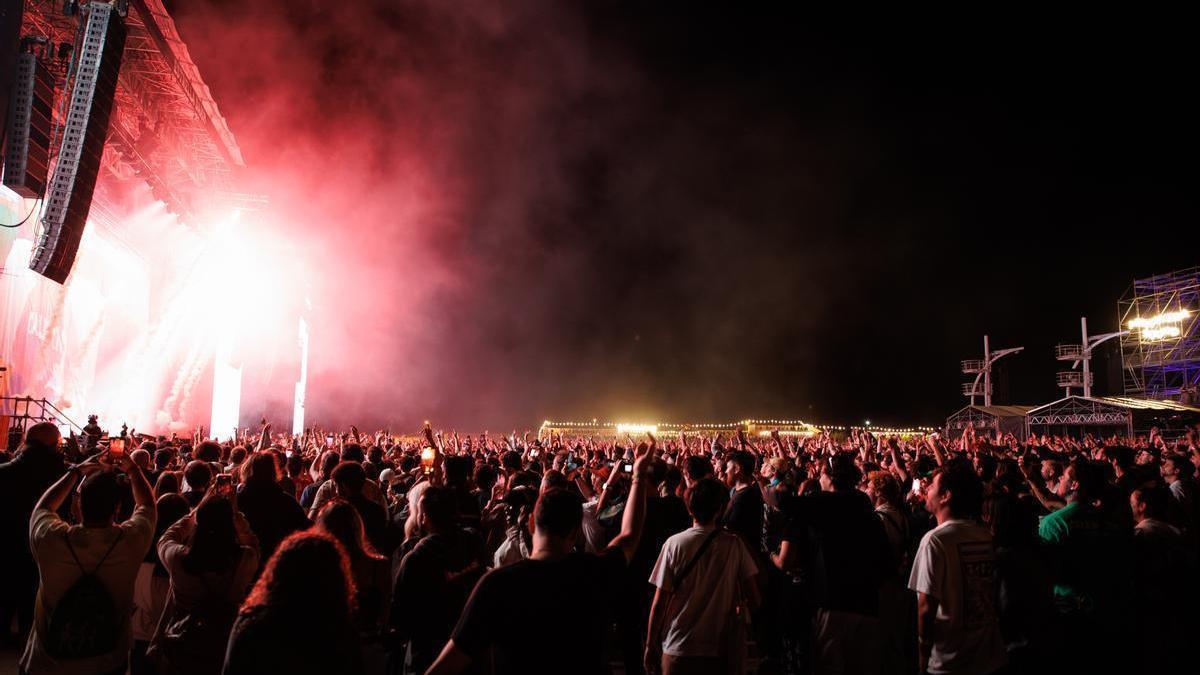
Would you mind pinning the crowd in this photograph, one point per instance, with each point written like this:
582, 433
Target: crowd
368, 553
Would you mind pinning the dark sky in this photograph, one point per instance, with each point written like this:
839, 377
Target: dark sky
657, 210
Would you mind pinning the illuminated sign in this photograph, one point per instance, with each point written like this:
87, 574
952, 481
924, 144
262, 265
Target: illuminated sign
633, 429
1164, 326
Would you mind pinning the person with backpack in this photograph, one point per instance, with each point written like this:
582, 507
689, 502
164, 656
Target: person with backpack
85, 597
212, 556
705, 581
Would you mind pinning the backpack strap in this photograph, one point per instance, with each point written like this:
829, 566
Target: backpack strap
691, 564
95, 569
687, 569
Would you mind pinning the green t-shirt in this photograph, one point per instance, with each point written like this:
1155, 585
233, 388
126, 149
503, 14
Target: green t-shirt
1086, 554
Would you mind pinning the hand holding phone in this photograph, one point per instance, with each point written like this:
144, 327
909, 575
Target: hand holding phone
116, 448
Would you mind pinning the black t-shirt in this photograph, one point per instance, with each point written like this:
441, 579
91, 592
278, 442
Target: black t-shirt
745, 517
542, 616
847, 551
665, 516
375, 521
431, 588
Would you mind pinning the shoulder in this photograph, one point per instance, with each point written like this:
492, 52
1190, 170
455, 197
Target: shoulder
934, 539
43, 522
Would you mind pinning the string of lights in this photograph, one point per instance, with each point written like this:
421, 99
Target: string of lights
786, 427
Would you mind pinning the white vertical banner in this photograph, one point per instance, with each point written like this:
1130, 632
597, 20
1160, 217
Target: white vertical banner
302, 383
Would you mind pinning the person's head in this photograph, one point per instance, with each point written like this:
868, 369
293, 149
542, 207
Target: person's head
554, 480
1084, 480
340, 519
260, 468
956, 492
308, 578
656, 472
207, 451
511, 461
739, 467
100, 496
985, 465
672, 480
706, 499
485, 477
352, 452
883, 488
167, 483
214, 546
43, 435
840, 473
412, 526
457, 470
1051, 471
1149, 502
349, 478
1175, 467
294, 465
375, 454
197, 474
162, 459
696, 468
408, 463
329, 460
1120, 456
557, 518
141, 457
773, 467
170, 507
438, 509
237, 455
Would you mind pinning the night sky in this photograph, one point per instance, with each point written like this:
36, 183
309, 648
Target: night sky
633, 210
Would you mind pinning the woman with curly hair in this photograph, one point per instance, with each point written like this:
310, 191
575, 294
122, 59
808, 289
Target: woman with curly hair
298, 618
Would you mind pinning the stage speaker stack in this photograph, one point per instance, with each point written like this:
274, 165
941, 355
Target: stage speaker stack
28, 129
97, 61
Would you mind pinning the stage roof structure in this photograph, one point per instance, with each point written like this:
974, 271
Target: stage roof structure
1074, 415
999, 419
166, 128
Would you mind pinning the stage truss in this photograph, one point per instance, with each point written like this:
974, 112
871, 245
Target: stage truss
166, 128
1165, 364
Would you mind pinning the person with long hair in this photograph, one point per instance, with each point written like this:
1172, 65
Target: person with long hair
371, 570
298, 618
211, 555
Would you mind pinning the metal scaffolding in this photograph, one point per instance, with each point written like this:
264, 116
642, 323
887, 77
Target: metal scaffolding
1160, 350
996, 419
166, 128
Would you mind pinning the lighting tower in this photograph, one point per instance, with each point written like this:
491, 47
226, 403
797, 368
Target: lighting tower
983, 368
1081, 353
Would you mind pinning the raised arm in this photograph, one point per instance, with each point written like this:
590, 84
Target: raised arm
635, 507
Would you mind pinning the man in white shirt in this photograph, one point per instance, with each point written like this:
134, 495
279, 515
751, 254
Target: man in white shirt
953, 575
110, 550
702, 575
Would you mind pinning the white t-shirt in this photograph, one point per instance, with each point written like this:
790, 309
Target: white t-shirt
956, 564
48, 539
698, 610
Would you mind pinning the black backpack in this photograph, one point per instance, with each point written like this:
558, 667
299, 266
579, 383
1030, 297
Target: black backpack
84, 623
